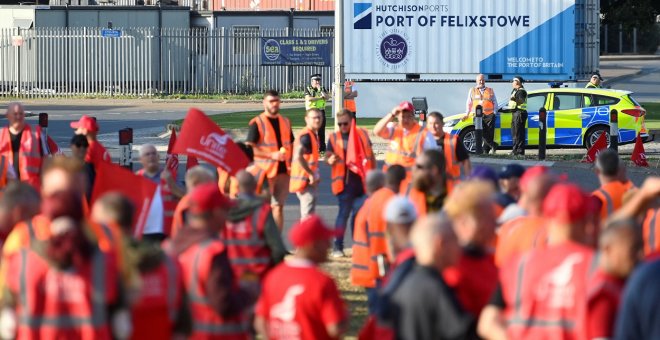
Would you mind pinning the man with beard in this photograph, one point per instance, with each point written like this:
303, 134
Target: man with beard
429, 183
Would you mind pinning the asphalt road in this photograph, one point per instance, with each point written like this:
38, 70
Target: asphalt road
645, 85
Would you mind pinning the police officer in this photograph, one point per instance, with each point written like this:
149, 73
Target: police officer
518, 107
315, 98
594, 82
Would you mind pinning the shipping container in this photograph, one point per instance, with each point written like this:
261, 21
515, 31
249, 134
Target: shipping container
268, 5
454, 40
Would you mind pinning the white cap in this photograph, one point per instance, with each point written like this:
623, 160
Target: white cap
400, 210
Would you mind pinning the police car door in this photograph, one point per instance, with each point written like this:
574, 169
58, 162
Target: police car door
534, 103
565, 119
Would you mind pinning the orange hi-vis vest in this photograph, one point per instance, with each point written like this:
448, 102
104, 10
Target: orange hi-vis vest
611, 195
418, 200
229, 186
246, 245
169, 203
519, 236
155, 313
349, 104
63, 304
207, 323
376, 225
34, 146
485, 100
545, 292
300, 177
363, 272
651, 231
404, 149
452, 166
178, 220
268, 142
338, 173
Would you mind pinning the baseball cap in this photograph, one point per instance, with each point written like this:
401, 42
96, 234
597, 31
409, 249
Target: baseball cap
484, 173
316, 76
512, 170
208, 197
406, 106
400, 210
86, 122
568, 203
311, 229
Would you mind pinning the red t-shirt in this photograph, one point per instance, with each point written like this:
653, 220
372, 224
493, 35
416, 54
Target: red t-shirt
603, 303
97, 153
474, 279
298, 301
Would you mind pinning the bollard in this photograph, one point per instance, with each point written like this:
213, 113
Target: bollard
614, 130
126, 145
43, 122
543, 132
479, 129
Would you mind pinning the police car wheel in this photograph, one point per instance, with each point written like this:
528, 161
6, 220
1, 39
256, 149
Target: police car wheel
468, 138
593, 134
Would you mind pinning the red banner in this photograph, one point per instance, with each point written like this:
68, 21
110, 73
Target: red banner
356, 157
601, 143
172, 159
202, 138
639, 155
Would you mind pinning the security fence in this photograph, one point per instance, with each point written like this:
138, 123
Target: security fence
626, 39
45, 62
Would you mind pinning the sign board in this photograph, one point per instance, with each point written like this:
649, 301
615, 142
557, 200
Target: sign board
387, 39
110, 33
17, 40
296, 51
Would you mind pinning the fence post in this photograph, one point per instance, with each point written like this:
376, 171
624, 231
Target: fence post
634, 39
543, 131
606, 39
614, 130
620, 38
478, 129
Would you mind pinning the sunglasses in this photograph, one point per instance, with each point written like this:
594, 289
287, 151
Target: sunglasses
342, 124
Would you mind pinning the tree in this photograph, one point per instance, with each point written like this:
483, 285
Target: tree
640, 14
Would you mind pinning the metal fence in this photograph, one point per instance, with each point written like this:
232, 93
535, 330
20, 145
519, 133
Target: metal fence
213, 5
620, 39
44, 62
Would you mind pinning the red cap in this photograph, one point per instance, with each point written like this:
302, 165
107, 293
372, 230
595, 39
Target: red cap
532, 173
406, 106
311, 229
207, 197
568, 203
86, 122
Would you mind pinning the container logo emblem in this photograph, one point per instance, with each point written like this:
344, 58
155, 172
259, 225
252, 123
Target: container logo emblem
362, 15
393, 48
272, 49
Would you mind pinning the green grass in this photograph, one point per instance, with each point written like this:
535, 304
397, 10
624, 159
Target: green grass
652, 120
238, 120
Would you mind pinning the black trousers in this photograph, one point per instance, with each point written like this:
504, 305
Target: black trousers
322, 132
518, 120
489, 132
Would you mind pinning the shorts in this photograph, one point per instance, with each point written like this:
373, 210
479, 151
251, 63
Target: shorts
307, 199
279, 189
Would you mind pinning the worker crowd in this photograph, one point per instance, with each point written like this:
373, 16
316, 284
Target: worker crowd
442, 249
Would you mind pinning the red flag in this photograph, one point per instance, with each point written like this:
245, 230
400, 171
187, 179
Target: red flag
356, 157
638, 155
601, 143
192, 162
172, 159
138, 189
202, 138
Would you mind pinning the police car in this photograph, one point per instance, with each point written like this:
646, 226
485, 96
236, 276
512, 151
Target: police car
575, 118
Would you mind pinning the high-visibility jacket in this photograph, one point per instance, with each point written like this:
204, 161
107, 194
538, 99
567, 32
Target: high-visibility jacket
35, 145
207, 323
63, 304
611, 195
452, 166
169, 203
514, 105
4, 164
518, 236
349, 104
545, 292
318, 104
229, 186
651, 231
155, 312
300, 177
377, 227
418, 199
485, 100
338, 173
268, 143
364, 271
245, 240
404, 149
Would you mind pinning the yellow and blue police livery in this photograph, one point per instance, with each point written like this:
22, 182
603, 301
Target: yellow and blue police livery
575, 118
